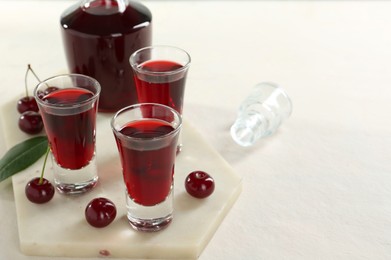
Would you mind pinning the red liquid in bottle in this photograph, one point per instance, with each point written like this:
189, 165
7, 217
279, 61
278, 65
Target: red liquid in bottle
99, 38
71, 137
148, 174
154, 90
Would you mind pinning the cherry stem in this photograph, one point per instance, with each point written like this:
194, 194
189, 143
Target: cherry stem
43, 167
32, 71
25, 80
35, 75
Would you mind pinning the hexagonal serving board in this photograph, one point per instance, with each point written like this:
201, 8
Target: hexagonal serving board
59, 228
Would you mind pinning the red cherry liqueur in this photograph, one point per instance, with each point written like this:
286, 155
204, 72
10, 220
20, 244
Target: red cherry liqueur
99, 36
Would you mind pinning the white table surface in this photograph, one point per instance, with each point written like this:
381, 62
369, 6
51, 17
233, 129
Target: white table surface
318, 189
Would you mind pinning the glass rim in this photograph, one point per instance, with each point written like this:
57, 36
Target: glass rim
95, 96
139, 105
137, 67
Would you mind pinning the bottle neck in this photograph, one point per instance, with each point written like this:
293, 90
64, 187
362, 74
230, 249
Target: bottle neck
105, 7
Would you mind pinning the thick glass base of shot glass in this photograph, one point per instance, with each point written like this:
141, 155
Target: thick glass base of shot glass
150, 218
179, 148
70, 182
180, 144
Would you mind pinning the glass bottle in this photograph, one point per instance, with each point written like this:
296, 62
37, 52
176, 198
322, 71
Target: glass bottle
99, 36
261, 113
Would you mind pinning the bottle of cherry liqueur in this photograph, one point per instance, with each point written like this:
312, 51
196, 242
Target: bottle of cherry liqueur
99, 36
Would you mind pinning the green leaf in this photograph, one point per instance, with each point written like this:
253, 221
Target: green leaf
22, 156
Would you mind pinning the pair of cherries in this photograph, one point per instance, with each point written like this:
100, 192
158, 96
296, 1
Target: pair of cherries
99, 212
30, 120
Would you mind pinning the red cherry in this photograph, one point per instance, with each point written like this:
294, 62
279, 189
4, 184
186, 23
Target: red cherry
42, 93
100, 212
39, 192
30, 122
49, 90
27, 103
199, 184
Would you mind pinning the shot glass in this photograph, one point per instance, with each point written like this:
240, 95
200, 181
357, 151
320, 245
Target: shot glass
68, 105
147, 135
160, 74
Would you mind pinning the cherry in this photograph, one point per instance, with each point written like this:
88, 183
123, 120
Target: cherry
30, 122
100, 212
49, 90
199, 184
27, 103
39, 190
43, 93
